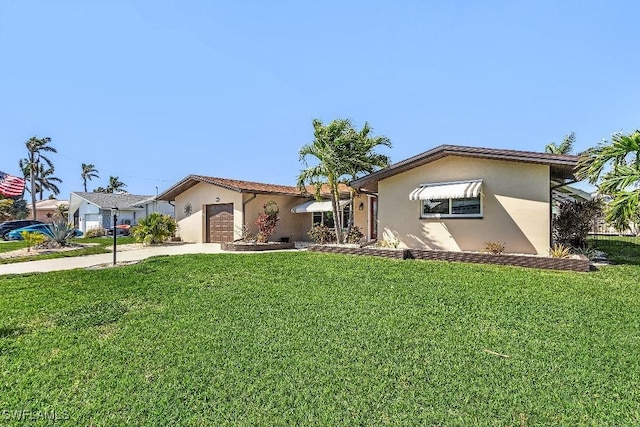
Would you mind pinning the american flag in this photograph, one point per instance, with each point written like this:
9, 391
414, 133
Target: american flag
11, 186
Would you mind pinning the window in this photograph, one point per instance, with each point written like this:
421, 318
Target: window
326, 218
468, 207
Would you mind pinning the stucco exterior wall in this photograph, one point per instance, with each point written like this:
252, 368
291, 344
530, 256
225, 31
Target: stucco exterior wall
516, 201
290, 225
191, 228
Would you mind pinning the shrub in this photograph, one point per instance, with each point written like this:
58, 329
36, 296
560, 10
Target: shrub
588, 252
392, 243
322, 234
559, 251
267, 221
32, 238
573, 222
495, 248
155, 228
245, 234
95, 232
354, 235
61, 232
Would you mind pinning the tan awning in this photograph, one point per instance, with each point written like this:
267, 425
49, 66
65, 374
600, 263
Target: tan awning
316, 206
447, 190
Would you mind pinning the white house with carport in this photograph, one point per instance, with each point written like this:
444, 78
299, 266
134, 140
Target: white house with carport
93, 210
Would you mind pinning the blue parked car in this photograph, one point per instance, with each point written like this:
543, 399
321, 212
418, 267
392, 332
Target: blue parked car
38, 228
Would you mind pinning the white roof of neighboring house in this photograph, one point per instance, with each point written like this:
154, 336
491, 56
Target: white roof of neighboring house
122, 201
49, 204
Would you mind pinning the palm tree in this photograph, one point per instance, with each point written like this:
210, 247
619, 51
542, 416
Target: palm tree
566, 147
360, 158
342, 155
327, 149
62, 211
621, 180
46, 181
35, 149
89, 172
115, 185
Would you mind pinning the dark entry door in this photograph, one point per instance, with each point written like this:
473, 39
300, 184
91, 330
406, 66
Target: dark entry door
220, 223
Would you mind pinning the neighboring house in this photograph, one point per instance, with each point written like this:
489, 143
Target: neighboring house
47, 210
601, 226
93, 210
210, 209
457, 198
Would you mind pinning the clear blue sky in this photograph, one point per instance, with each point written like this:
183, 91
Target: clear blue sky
151, 91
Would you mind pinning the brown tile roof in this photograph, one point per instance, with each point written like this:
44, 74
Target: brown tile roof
324, 190
562, 165
230, 184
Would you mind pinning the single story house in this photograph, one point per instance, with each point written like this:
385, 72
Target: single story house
93, 210
456, 198
210, 209
48, 210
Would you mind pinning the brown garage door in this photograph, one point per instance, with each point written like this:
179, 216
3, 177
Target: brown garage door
220, 223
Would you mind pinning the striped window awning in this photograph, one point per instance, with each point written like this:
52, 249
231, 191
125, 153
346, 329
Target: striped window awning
317, 206
447, 190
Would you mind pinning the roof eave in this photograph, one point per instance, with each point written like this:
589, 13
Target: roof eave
562, 166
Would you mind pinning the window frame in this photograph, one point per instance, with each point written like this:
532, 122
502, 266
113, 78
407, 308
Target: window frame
344, 212
450, 215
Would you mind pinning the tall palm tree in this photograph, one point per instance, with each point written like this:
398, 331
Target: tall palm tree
36, 147
566, 147
46, 181
327, 149
89, 172
616, 166
115, 185
361, 158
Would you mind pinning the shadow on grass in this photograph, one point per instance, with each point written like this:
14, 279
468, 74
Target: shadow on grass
619, 252
12, 332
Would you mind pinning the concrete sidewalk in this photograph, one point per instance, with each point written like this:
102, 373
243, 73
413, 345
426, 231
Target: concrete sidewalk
94, 260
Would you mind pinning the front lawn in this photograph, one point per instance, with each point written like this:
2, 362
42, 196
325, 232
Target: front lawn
320, 339
100, 247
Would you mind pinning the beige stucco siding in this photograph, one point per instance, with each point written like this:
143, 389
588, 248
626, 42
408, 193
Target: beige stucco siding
192, 228
290, 225
515, 207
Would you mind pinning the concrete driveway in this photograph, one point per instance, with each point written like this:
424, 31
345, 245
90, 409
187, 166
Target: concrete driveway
95, 260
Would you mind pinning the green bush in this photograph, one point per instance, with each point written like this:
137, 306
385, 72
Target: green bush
33, 238
156, 228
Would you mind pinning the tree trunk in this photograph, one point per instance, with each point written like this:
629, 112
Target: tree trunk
337, 219
351, 212
33, 191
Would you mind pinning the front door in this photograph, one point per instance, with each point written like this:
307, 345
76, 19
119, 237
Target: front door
373, 218
219, 223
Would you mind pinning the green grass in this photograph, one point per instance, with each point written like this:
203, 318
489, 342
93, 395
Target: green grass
6, 246
620, 249
102, 244
319, 339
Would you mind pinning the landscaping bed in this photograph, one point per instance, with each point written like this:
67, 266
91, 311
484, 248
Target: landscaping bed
574, 263
251, 247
